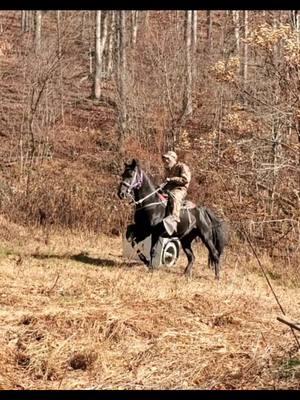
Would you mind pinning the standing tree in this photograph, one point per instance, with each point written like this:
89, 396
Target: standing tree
209, 29
134, 27
236, 22
111, 42
38, 29
121, 74
187, 100
101, 36
245, 48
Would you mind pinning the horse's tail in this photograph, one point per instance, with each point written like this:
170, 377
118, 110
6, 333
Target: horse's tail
212, 230
219, 232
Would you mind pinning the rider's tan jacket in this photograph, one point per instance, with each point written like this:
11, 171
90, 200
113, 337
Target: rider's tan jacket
180, 175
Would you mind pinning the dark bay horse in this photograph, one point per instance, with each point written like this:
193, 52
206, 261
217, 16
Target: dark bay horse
150, 211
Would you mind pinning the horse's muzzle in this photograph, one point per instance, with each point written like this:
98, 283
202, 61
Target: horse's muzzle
121, 193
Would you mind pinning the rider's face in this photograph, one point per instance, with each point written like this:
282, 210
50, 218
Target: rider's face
168, 162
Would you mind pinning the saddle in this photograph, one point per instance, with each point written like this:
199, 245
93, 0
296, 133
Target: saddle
186, 204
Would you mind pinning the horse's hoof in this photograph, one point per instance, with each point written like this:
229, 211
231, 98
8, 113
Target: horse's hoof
187, 274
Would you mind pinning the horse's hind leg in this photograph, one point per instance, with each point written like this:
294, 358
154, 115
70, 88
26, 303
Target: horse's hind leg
218, 267
186, 242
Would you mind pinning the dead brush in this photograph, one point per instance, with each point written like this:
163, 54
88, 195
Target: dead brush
107, 327
82, 360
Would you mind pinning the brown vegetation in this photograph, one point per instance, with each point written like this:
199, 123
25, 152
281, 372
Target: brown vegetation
75, 315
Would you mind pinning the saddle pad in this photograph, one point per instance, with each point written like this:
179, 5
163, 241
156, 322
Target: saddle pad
163, 197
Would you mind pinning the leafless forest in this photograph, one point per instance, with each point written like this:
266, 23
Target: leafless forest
84, 91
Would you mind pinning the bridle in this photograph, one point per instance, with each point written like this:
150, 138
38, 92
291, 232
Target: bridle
136, 183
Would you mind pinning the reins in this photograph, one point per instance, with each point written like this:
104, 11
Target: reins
136, 183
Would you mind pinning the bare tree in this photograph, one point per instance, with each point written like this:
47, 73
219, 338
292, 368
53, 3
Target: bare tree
26, 20
101, 35
245, 49
58, 27
134, 26
147, 17
121, 73
209, 29
38, 29
91, 40
187, 101
111, 42
276, 157
1, 25
83, 25
236, 22
195, 29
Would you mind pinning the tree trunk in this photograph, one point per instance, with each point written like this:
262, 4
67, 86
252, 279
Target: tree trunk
276, 155
1, 26
91, 41
146, 19
30, 20
110, 50
245, 68
60, 64
101, 35
276, 21
38, 29
26, 20
188, 52
295, 17
187, 108
121, 75
83, 26
134, 27
194, 43
236, 22
208, 29
195, 26
23, 20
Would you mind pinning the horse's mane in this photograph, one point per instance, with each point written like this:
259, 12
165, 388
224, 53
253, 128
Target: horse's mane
152, 178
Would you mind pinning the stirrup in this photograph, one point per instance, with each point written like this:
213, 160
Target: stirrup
170, 224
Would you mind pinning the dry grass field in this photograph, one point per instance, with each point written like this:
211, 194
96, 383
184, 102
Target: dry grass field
74, 315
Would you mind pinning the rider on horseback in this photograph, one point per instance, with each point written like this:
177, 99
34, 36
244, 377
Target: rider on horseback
177, 180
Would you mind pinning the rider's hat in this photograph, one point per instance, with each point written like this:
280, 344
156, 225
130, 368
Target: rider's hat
171, 155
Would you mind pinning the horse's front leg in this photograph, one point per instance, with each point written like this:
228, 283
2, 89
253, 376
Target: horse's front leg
157, 231
143, 258
131, 233
134, 238
154, 242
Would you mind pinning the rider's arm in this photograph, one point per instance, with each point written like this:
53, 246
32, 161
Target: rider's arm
184, 177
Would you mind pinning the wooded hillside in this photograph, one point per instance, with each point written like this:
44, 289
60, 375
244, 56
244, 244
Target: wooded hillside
82, 91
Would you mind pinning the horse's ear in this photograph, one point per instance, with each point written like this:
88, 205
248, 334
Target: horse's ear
134, 163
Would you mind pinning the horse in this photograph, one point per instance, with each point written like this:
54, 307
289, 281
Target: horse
150, 211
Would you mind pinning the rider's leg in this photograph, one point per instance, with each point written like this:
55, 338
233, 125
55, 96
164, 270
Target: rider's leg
178, 196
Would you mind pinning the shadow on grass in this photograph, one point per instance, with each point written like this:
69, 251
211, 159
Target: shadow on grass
86, 259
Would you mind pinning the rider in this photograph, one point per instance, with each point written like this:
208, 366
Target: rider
177, 179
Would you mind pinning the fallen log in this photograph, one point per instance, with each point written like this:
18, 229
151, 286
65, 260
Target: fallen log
294, 325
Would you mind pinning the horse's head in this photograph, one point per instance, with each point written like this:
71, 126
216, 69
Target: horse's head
132, 178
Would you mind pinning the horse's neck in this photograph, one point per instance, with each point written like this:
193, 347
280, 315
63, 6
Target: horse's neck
145, 190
